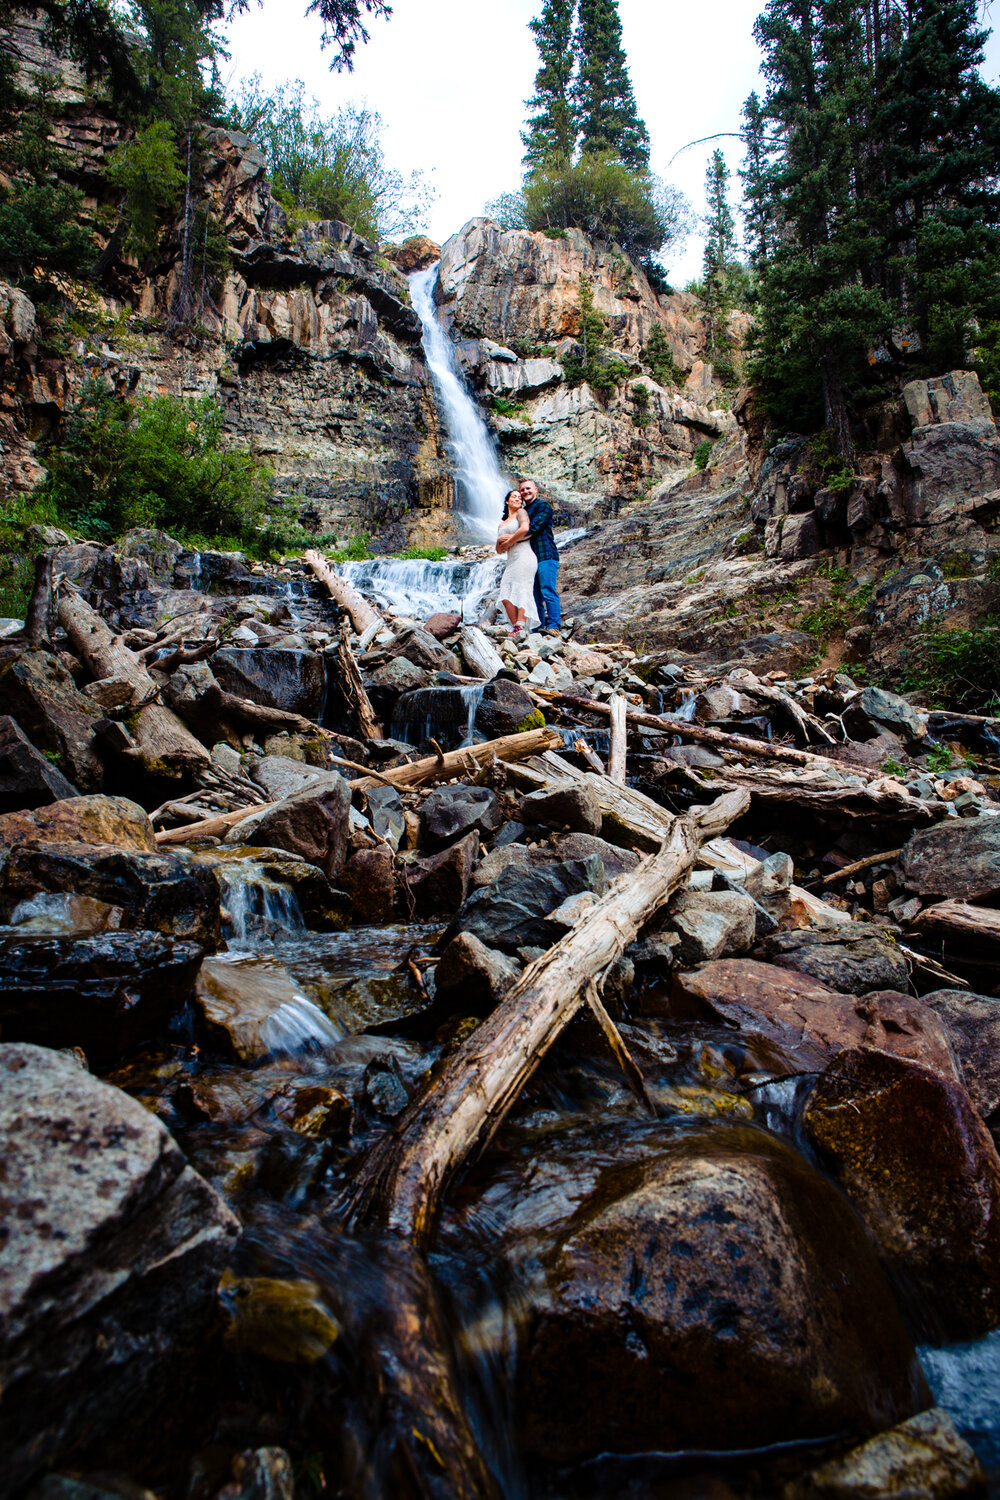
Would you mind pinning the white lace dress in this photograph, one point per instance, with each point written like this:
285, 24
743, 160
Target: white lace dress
518, 581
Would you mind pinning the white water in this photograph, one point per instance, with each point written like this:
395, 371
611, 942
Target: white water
255, 906
481, 482
419, 589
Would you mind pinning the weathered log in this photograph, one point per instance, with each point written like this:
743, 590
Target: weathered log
160, 741
807, 724
592, 758
216, 827
215, 703
405, 1176
875, 801
479, 654
341, 592
978, 925
619, 743
722, 854
36, 622
354, 689
369, 634
630, 818
468, 760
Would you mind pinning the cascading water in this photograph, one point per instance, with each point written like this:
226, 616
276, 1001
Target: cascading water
480, 479
419, 589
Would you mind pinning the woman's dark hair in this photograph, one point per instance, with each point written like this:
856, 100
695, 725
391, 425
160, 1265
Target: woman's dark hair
506, 503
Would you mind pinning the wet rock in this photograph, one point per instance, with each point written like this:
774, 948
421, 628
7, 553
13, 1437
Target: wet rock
291, 680
113, 1248
694, 1301
505, 706
386, 814
923, 1458
313, 823
384, 1089
377, 1001
100, 1487
957, 859
572, 807
61, 914
369, 881
27, 778
439, 883
398, 675
421, 648
973, 1025
875, 709
323, 907
251, 1008
38, 691
854, 959
442, 625
474, 976
922, 1169
81, 820
711, 924
512, 911
106, 993
450, 812
261, 1474
803, 1023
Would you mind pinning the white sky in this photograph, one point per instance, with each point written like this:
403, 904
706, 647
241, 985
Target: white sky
449, 78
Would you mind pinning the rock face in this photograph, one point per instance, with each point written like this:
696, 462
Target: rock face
27, 778
112, 1251
854, 960
694, 1302
960, 862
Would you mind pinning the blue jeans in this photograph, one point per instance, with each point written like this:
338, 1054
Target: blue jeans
547, 594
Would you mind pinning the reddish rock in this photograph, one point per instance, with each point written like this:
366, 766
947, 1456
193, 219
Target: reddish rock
440, 883
922, 1169
442, 625
81, 820
369, 881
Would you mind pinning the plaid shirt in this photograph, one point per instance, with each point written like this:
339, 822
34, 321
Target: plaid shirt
543, 543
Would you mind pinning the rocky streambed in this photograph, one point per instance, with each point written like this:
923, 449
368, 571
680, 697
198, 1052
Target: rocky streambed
435, 1064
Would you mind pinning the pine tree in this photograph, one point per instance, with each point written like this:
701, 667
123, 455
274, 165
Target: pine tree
756, 198
550, 138
718, 264
608, 117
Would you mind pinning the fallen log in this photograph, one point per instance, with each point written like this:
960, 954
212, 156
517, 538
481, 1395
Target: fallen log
217, 703
979, 925
479, 654
363, 616
402, 1182
468, 760
36, 620
353, 689
158, 738
619, 743
590, 756
216, 827
807, 724
630, 818
812, 791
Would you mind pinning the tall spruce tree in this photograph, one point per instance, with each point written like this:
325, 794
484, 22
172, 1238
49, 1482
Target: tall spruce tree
757, 214
550, 138
718, 264
606, 108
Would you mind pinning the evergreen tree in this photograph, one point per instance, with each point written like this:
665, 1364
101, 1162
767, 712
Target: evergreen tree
550, 138
718, 265
756, 199
606, 108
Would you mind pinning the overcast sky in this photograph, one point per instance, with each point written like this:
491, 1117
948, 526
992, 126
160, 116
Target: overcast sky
450, 77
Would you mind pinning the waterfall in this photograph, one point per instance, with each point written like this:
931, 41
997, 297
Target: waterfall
480, 479
418, 589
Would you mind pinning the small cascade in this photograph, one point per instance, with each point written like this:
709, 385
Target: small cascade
684, 711
419, 589
480, 479
255, 906
299, 1026
446, 714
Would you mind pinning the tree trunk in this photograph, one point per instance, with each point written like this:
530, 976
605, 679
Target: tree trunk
405, 1176
36, 624
619, 742
479, 653
354, 689
468, 760
341, 592
837, 421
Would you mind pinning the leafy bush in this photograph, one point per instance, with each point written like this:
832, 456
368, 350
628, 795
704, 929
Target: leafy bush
153, 461
423, 554
148, 171
702, 453
957, 669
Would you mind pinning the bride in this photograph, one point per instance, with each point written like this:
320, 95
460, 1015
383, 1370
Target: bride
518, 581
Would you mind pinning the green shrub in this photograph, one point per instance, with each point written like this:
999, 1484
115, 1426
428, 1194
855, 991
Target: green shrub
423, 554
639, 396
606, 199
149, 172
957, 669
702, 453
506, 406
601, 368
357, 550
658, 358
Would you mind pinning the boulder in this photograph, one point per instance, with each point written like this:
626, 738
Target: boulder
958, 859
973, 1025
452, 811
439, 883
81, 820
712, 924
473, 976
799, 1024
368, 879
581, 845
282, 775
386, 814
162, 892
38, 691
294, 681
694, 1300
106, 993
113, 1248
504, 707
921, 1167
442, 625
854, 959
250, 1008
573, 807
27, 778
512, 911
423, 650
313, 822
955, 397
874, 709
923, 1458
398, 675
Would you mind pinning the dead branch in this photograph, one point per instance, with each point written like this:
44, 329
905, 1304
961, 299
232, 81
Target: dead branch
363, 616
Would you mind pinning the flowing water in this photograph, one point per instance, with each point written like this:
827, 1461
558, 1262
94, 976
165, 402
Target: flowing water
415, 589
480, 480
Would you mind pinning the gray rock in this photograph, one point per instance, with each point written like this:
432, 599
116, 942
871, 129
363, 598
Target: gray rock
398, 675
852, 959
227, 758
875, 707
314, 823
512, 912
505, 706
580, 845
291, 680
281, 776
421, 648
38, 691
385, 813
573, 807
712, 924
27, 778
955, 859
439, 883
450, 812
113, 1249
973, 1026
474, 976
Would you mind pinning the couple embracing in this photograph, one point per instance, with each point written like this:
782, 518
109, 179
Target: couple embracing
529, 586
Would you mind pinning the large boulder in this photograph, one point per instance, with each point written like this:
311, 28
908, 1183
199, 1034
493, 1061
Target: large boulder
161, 892
957, 859
38, 691
694, 1299
439, 883
81, 820
474, 976
451, 812
369, 880
572, 807
504, 707
106, 993
113, 1248
294, 681
423, 650
875, 709
281, 775
973, 1025
313, 822
855, 958
513, 911
27, 777
913, 1155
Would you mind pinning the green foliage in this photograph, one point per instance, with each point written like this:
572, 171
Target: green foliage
149, 172
507, 406
608, 200
423, 554
41, 233
957, 669
719, 267
550, 136
658, 358
605, 103
154, 461
357, 549
602, 370
639, 396
893, 767
703, 453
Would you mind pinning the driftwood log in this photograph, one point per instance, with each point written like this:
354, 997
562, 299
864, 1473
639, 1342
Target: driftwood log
479, 653
341, 592
36, 622
815, 792
353, 689
619, 741
468, 760
978, 925
157, 737
401, 1185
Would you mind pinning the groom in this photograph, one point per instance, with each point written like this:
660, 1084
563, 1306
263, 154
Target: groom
543, 544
